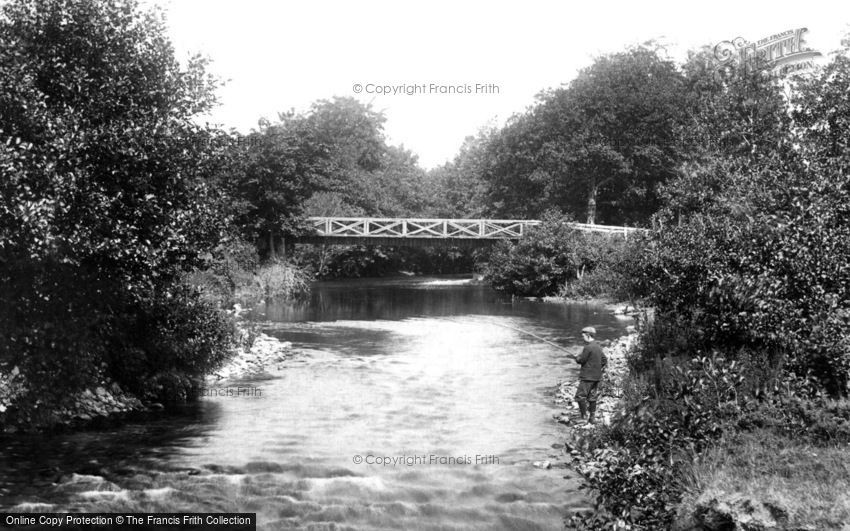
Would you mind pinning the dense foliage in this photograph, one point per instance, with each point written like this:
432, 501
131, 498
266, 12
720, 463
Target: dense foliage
598, 149
635, 468
105, 201
279, 167
332, 160
554, 257
748, 276
765, 264
356, 261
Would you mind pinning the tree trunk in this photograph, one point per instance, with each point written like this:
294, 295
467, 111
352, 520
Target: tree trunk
591, 206
272, 252
323, 256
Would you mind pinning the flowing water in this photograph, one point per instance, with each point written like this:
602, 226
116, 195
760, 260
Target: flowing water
408, 404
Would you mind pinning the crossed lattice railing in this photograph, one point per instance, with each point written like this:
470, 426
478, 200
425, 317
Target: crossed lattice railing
438, 228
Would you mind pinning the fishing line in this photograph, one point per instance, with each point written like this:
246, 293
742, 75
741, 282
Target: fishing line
520, 330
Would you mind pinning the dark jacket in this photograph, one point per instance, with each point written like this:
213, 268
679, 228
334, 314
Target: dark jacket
592, 361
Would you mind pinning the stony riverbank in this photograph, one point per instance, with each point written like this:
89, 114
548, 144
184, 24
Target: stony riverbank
606, 302
95, 406
265, 352
107, 403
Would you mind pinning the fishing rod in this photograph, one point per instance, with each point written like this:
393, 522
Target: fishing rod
520, 330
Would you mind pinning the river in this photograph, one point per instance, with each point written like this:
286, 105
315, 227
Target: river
409, 404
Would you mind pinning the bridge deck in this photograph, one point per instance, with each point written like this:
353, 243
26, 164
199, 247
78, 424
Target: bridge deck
333, 228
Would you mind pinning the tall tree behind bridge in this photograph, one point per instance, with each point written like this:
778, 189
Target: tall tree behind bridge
458, 188
372, 176
332, 158
597, 148
279, 167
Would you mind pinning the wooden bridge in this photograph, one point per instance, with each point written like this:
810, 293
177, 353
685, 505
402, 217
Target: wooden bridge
417, 231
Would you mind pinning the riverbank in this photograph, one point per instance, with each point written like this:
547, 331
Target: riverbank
783, 469
761, 479
95, 406
263, 353
616, 307
107, 403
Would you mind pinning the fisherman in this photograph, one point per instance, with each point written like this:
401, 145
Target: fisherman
593, 361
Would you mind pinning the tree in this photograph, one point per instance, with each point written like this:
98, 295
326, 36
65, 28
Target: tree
598, 148
337, 150
738, 123
353, 133
459, 188
516, 185
398, 188
283, 165
104, 193
621, 120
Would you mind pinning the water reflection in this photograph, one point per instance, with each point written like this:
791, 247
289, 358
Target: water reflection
390, 299
367, 299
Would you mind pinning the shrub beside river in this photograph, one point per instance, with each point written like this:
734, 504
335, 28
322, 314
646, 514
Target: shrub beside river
188, 337
683, 445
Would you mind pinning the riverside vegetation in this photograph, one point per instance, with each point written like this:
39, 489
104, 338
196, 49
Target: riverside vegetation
734, 412
118, 250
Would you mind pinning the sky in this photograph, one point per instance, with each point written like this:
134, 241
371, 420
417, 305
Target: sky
456, 66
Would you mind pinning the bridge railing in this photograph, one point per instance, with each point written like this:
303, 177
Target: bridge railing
438, 228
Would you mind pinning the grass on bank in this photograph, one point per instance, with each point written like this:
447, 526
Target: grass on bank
811, 482
275, 280
232, 284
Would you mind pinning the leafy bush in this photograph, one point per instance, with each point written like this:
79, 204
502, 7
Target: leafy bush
358, 261
175, 339
600, 282
679, 403
748, 276
759, 284
763, 265
55, 333
635, 466
230, 266
551, 256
